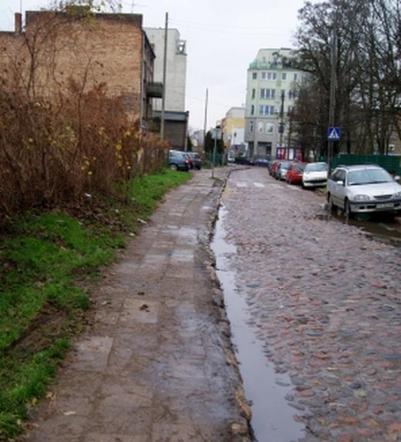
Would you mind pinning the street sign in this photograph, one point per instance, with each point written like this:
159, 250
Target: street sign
216, 133
333, 133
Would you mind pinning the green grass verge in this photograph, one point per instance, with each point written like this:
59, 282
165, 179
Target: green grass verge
41, 258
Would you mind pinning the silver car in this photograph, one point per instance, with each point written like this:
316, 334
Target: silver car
315, 175
363, 189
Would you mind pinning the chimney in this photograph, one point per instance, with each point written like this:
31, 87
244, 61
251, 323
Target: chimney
18, 22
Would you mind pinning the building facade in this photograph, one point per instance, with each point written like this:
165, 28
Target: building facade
85, 49
176, 72
272, 84
175, 117
233, 126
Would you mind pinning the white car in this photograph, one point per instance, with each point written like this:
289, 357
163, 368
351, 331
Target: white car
363, 189
315, 175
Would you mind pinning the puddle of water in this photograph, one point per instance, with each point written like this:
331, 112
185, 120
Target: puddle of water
386, 230
272, 416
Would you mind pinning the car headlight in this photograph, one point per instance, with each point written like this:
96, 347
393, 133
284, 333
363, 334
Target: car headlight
397, 195
362, 198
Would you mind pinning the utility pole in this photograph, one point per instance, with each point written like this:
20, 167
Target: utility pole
216, 135
164, 79
205, 121
290, 132
333, 84
281, 127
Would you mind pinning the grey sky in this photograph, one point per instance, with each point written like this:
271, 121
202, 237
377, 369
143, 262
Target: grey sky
222, 36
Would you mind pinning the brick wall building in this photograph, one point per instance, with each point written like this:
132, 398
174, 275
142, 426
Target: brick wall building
57, 49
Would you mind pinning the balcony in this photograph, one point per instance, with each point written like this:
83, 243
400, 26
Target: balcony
154, 90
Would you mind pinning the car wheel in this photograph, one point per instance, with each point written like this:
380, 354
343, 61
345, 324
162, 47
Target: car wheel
173, 167
347, 209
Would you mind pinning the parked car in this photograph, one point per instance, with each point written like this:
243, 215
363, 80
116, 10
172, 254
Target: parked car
282, 169
315, 175
274, 167
363, 189
295, 173
231, 157
178, 160
263, 162
189, 158
196, 160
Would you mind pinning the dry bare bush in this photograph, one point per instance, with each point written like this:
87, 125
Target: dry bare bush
55, 148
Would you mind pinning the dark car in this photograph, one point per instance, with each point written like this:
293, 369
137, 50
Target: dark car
196, 160
178, 160
263, 162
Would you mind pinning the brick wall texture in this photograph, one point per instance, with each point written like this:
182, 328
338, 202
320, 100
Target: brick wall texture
59, 51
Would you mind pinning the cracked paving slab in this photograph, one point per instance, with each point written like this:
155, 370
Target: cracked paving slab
153, 368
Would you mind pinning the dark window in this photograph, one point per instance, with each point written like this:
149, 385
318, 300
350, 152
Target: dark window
254, 75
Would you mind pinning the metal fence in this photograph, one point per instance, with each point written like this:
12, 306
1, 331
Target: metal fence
392, 163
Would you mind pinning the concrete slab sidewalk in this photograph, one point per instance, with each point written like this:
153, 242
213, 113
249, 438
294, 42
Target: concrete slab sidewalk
157, 365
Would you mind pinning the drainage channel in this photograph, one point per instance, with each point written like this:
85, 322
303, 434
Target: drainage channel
272, 416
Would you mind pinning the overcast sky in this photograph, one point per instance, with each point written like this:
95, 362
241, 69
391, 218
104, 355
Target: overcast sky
223, 37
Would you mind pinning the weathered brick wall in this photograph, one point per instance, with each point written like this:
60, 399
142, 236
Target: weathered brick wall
91, 50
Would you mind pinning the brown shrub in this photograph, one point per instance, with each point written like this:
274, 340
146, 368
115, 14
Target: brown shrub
54, 152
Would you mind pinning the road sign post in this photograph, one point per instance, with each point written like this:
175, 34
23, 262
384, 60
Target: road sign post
333, 134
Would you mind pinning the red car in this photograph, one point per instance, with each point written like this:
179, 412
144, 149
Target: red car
274, 167
294, 173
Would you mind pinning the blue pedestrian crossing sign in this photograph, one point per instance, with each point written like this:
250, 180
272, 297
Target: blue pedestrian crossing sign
333, 133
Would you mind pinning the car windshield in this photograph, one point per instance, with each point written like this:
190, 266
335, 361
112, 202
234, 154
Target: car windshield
316, 167
285, 164
368, 176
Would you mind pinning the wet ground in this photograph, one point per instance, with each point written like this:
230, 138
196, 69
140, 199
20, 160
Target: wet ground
318, 303
157, 365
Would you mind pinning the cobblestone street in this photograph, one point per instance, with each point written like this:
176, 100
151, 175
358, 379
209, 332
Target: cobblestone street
325, 301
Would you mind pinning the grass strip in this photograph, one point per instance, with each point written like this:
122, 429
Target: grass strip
41, 305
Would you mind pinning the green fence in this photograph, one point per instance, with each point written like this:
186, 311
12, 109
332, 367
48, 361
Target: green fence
389, 162
219, 160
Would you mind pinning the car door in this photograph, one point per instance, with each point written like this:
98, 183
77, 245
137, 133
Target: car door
340, 188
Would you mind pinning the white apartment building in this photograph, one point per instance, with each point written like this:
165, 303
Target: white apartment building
176, 67
271, 84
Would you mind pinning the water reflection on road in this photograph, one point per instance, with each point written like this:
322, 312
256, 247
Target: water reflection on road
272, 414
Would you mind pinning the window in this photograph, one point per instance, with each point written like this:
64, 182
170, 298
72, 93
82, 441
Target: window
252, 109
263, 75
253, 93
266, 110
269, 128
254, 75
260, 126
268, 94
295, 77
292, 95
269, 75
274, 76
251, 126
284, 76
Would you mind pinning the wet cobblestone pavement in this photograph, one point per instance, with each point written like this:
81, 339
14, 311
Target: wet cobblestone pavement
325, 301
